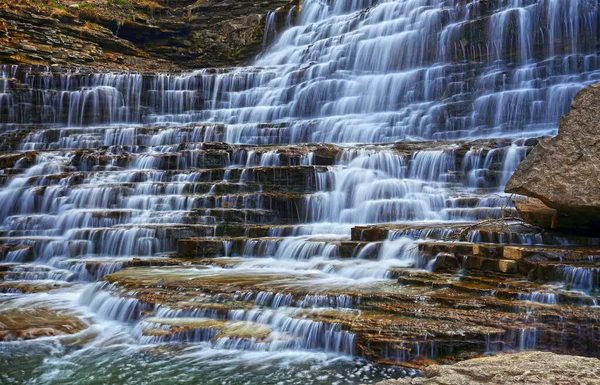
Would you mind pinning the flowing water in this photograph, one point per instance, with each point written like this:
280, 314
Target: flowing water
422, 110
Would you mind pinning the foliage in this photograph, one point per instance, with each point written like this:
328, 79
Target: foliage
120, 10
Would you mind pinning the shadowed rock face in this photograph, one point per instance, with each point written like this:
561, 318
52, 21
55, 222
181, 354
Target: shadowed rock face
523, 368
163, 35
564, 172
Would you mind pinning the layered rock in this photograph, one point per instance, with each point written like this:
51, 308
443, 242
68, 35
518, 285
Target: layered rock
35, 322
146, 36
253, 244
421, 318
173, 235
564, 172
505, 369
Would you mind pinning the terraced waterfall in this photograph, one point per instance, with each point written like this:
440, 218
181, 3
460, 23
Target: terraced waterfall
309, 219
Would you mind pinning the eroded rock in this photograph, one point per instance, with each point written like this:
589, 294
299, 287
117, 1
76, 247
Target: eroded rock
504, 369
32, 323
564, 172
422, 316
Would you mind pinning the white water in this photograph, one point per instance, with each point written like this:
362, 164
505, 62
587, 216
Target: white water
403, 69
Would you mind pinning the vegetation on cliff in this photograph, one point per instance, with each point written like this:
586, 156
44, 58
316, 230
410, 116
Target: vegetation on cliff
141, 35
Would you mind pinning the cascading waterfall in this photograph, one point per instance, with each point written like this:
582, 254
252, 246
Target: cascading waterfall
400, 70
344, 119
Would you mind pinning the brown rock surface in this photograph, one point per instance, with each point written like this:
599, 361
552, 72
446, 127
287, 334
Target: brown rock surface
508, 369
36, 322
564, 172
160, 35
392, 322
535, 212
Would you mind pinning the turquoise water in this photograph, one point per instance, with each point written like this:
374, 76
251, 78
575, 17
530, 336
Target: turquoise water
52, 363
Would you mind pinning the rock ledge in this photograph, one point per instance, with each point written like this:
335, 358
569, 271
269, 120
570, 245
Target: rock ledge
508, 369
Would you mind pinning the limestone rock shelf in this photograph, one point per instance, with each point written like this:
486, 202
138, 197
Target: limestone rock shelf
508, 369
424, 315
210, 240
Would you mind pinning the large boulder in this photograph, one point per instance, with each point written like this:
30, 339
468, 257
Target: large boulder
564, 172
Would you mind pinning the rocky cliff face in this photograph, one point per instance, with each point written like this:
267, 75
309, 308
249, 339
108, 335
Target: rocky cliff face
564, 172
166, 35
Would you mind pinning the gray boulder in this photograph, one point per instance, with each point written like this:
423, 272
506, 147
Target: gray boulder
564, 172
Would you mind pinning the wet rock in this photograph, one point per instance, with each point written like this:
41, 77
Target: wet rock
505, 369
199, 248
31, 286
369, 233
326, 155
564, 172
240, 330
556, 254
444, 262
36, 322
483, 235
534, 211
424, 316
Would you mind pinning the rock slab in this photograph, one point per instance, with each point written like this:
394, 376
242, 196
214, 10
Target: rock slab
511, 369
564, 172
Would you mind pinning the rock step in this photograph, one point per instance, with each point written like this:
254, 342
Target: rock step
304, 177
497, 285
191, 329
237, 215
207, 156
144, 138
498, 232
257, 247
390, 322
431, 249
277, 201
479, 213
26, 287
87, 269
9, 239
578, 268
22, 276
515, 253
217, 188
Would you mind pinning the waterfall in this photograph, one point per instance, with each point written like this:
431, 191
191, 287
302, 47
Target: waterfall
396, 70
258, 184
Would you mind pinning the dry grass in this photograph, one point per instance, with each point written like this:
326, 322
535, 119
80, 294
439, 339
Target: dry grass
89, 9
59, 12
149, 4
